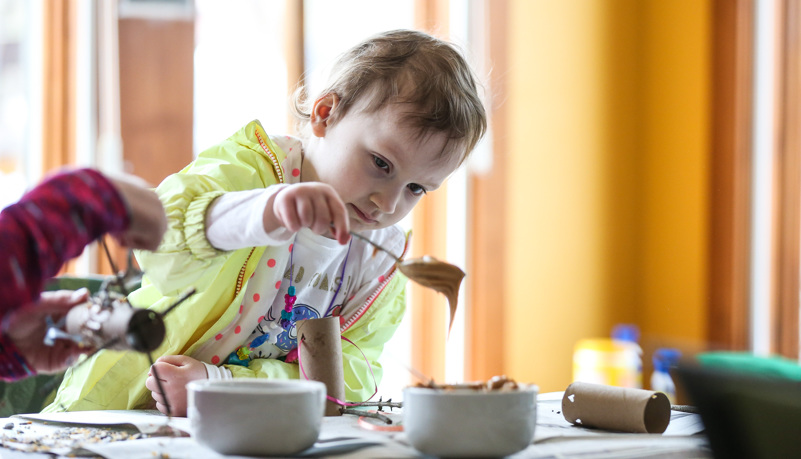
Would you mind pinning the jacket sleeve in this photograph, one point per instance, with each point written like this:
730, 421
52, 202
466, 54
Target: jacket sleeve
185, 253
368, 335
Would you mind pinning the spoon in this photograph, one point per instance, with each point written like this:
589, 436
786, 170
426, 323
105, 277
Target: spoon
428, 272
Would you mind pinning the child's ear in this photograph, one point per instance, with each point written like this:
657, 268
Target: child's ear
321, 113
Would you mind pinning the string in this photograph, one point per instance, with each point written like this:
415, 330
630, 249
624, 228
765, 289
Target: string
333, 399
341, 278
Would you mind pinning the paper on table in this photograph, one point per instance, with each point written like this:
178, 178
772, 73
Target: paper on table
624, 445
340, 436
145, 421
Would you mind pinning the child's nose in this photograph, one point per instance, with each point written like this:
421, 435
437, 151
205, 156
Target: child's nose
386, 200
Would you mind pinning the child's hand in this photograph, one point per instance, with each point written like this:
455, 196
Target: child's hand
310, 205
174, 371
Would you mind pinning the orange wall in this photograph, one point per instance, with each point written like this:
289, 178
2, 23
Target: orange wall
607, 103
676, 136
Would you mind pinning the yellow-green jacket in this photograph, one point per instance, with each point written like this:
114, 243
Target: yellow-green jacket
247, 160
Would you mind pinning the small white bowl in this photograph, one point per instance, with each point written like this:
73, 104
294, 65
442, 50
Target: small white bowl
470, 423
256, 417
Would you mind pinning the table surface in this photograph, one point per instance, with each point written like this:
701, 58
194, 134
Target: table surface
141, 434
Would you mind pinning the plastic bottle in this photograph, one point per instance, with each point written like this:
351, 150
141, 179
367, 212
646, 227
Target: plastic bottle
661, 381
628, 335
615, 361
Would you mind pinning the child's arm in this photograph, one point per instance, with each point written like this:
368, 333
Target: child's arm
186, 255
189, 197
273, 215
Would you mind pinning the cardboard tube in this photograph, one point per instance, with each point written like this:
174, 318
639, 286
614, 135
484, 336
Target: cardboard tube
320, 351
616, 408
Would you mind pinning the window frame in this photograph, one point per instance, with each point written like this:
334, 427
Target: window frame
729, 326
787, 187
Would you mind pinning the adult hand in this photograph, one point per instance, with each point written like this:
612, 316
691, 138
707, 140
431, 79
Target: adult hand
27, 326
148, 220
312, 205
174, 371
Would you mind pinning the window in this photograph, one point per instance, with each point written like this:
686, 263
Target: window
20, 54
240, 71
776, 205
756, 183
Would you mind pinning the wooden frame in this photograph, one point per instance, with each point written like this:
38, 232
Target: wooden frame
58, 91
428, 237
294, 51
488, 207
787, 229
730, 180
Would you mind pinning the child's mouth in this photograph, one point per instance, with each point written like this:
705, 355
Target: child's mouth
362, 216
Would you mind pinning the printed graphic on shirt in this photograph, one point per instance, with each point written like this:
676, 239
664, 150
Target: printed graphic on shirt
276, 334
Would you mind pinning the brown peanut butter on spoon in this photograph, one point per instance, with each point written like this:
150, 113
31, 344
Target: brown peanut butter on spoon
438, 275
429, 272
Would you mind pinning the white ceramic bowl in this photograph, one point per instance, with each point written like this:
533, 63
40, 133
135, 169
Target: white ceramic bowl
469, 423
256, 417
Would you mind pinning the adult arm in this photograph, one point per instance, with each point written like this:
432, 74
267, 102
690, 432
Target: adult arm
50, 225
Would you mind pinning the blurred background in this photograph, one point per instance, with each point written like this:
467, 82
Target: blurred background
643, 165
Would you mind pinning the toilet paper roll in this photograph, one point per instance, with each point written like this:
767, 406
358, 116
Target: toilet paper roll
616, 408
320, 353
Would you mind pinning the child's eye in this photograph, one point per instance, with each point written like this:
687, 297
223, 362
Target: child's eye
380, 163
416, 189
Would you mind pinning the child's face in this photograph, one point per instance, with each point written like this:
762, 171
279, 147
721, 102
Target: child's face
379, 166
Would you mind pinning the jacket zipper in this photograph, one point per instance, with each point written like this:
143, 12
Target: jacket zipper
363, 308
240, 279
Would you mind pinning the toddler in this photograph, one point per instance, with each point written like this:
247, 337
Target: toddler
260, 226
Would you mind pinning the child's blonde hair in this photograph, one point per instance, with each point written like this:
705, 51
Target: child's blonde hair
414, 68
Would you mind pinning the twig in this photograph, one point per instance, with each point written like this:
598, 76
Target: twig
183, 297
117, 277
685, 408
380, 404
161, 389
367, 414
